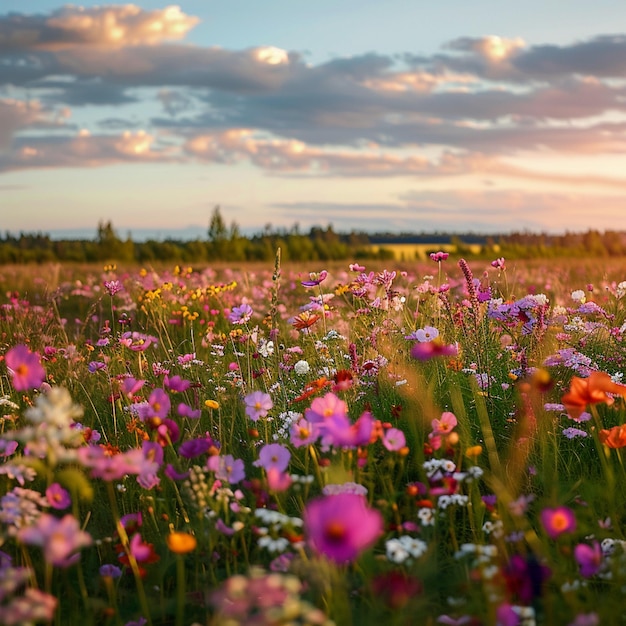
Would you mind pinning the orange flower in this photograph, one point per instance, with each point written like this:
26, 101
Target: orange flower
305, 320
181, 543
591, 390
312, 388
614, 437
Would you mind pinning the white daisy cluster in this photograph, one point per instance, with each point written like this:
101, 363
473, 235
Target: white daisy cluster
270, 537
285, 420
444, 501
405, 548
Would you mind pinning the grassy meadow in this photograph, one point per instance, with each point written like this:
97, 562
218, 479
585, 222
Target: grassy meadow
410, 442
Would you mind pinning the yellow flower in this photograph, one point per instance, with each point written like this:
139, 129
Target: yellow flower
211, 404
181, 543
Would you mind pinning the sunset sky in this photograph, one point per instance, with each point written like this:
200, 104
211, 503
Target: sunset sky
402, 115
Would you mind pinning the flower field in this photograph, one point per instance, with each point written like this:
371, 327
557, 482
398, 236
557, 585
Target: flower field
438, 444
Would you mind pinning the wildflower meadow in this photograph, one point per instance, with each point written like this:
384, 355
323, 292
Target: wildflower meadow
437, 444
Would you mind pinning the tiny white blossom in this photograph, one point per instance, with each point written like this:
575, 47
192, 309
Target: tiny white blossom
301, 367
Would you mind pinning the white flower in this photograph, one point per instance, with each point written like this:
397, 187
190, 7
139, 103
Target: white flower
621, 289
578, 296
396, 552
301, 367
426, 516
266, 348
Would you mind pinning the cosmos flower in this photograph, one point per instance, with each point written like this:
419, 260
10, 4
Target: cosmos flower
258, 404
341, 526
589, 558
60, 538
273, 456
24, 368
429, 349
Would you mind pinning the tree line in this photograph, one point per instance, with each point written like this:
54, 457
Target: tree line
224, 242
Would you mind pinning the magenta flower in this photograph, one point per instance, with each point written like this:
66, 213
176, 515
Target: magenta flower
430, 349
278, 481
131, 385
341, 432
558, 520
315, 279
325, 408
24, 368
258, 404
341, 526
498, 263
160, 403
273, 456
60, 538
113, 286
227, 468
302, 433
184, 410
176, 383
439, 256
394, 439
589, 558
57, 497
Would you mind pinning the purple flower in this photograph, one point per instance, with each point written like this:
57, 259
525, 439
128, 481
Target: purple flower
273, 456
341, 526
258, 404
171, 472
95, 366
240, 314
184, 410
589, 558
24, 368
227, 468
571, 433
113, 286
7, 448
110, 571
195, 447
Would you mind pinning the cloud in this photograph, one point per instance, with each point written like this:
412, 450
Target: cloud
71, 26
85, 150
16, 115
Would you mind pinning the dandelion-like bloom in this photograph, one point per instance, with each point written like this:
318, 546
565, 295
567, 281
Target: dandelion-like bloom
558, 520
24, 368
59, 538
341, 526
258, 404
589, 558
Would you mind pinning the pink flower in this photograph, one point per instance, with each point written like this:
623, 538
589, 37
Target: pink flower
258, 404
60, 538
57, 497
341, 526
278, 481
303, 432
589, 558
439, 256
498, 263
325, 408
240, 314
445, 425
558, 521
394, 439
24, 368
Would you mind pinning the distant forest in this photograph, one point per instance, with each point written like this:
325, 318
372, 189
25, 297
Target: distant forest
224, 242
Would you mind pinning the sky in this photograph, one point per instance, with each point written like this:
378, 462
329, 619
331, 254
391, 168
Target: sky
404, 115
